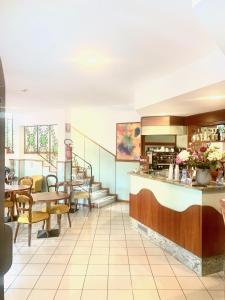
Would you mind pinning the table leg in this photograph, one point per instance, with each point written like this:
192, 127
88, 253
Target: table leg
48, 232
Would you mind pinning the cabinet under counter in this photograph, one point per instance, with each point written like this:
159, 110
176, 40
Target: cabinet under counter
184, 220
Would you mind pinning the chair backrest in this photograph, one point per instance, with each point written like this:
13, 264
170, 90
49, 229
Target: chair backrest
26, 180
52, 182
222, 203
24, 203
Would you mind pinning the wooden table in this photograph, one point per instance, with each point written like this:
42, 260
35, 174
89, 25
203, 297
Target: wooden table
48, 198
12, 189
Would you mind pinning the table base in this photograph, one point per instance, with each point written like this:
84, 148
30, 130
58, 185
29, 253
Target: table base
47, 234
8, 219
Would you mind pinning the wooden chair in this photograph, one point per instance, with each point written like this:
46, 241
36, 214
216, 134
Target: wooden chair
58, 209
83, 192
9, 204
26, 215
26, 180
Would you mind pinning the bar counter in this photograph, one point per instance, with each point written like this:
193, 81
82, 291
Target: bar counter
184, 220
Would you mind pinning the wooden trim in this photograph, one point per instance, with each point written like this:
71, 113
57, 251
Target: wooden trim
162, 121
193, 229
206, 119
85, 136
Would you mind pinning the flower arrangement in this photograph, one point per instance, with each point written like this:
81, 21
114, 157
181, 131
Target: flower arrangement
206, 158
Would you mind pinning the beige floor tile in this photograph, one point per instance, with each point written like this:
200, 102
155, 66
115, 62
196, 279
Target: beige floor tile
79, 259
118, 251
99, 260
154, 251
46, 250
33, 269
143, 282
133, 237
119, 283
67, 243
59, 259
40, 259
162, 270
48, 282
104, 244
167, 283
24, 282
16, 269
101, 237
99, 251
138, 260
118, 244
120, 237
72, 283
8, 280
145, 295
190, 283
68, 295
135, 244
118, 260
136, 251
81, 251
64, 250
93, 294
213, 282
157, 260
217, 295
171, 295
42, 294
76, 270
98, 270
84, 244
54, 269
181, 270
140, 270
119, 270
95, 283
21, 258
197, 295
120, 295
17, 294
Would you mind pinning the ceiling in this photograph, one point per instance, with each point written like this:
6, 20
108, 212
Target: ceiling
80, 52
206, 99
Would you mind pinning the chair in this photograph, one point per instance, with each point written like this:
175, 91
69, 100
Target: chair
9, 204
26, 180
37, 183
58, 208
83, 192
52, 182
26, 215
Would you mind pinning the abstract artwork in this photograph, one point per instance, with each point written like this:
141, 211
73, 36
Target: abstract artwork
128, 141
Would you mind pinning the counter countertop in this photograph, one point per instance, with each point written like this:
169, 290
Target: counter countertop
212, 187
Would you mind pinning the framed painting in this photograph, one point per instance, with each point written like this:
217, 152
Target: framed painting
128, 141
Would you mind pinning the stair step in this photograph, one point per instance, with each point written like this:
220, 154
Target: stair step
99, 194
104, 201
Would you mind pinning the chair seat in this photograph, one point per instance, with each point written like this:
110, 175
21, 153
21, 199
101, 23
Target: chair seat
81, 195
8, 203
37, 216
59, 209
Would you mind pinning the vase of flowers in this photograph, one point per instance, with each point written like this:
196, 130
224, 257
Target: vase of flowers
206, 159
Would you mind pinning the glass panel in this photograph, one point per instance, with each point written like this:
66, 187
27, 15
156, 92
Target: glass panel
30, 139
107, 171
43, 139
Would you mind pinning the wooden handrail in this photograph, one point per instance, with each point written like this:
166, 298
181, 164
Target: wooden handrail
87, 137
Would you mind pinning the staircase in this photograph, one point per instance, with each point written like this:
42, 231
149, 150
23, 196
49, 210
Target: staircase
99, 196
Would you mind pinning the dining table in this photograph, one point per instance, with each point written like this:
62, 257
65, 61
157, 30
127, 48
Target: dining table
12, 189
48, 198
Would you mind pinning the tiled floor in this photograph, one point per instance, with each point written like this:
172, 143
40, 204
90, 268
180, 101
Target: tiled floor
102, 257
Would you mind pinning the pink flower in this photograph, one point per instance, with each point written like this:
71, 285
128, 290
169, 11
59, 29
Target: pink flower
203, 149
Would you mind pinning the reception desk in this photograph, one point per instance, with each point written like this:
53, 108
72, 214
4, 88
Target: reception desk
184, 220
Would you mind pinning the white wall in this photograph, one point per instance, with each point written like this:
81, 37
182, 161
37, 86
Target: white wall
99, 123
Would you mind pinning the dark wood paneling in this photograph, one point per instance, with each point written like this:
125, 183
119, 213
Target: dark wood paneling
206, 119
162, 121
184, 228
